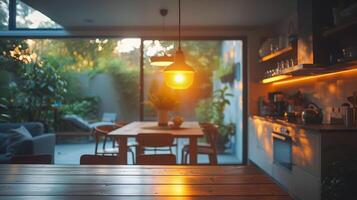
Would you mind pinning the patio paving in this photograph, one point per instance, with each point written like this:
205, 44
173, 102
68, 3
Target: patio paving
70, 152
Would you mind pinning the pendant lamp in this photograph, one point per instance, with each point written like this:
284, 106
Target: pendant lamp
179, 75
162, 60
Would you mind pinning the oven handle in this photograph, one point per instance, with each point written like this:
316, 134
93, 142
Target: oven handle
278, 136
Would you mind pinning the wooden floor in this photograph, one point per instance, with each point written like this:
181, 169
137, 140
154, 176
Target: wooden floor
39, 182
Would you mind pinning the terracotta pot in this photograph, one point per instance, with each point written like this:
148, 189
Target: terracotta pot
162, 117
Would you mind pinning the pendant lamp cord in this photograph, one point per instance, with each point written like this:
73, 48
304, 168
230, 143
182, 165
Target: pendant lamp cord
179, 25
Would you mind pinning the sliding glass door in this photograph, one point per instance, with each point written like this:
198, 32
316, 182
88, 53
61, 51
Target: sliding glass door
216, 95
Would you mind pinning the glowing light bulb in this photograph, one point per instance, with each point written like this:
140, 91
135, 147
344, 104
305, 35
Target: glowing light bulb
179, 78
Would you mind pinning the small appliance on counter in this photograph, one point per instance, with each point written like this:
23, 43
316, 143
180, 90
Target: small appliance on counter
280, 104
312, 114
291, 117
265, 107
353, 102
347, 114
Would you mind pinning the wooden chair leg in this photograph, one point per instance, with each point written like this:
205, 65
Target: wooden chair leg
182, 156
212, 159
104, 142
186, 157
96, 144
177, 150
113, 145
132, 154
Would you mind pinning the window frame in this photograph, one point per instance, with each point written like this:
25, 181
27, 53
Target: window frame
12, 20
53, 33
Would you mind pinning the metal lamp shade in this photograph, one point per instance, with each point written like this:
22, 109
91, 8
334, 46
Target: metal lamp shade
179, 75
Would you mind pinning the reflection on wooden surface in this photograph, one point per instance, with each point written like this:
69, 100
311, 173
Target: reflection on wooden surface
136, 182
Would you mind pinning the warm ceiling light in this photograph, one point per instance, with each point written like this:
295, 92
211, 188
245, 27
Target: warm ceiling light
276, 78
164, 60
179, 75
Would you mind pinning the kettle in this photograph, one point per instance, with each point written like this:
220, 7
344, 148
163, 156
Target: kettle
312, 114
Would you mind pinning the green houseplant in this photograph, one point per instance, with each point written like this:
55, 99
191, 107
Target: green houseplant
4, 116
41, 87
163, 99
226, 73
212, 110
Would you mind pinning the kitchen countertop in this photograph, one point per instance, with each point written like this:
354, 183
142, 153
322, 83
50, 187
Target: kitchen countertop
314, 127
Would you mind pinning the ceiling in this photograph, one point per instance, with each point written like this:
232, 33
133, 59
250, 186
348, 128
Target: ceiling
145, 13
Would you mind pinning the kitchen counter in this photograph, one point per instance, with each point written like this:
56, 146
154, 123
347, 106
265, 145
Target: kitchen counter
315, 127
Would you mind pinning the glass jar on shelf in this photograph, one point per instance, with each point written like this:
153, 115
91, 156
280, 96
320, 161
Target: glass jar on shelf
287, 64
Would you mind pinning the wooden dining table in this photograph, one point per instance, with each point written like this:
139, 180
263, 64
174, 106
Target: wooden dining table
190, 130
134, 182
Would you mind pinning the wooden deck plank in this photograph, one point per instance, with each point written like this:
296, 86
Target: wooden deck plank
143, 190
42, 182
211, 167
129, 171
122, 180
146, 198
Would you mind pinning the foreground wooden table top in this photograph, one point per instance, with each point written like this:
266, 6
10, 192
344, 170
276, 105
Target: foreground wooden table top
136, 182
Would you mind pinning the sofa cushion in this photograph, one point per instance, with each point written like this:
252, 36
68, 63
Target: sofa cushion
19, 134
17, 139
4, 142
78, 122
35, 128
5, 159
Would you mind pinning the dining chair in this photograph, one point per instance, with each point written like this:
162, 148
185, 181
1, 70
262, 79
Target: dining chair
208, 148
103, 131
154, 140
99, 160
32, 159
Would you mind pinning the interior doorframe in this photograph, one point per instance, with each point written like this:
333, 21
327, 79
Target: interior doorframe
244, 81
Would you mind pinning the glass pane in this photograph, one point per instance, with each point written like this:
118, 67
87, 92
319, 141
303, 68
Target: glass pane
45, 80
27, 17
218, 68
4, 14
98, 75
203, 56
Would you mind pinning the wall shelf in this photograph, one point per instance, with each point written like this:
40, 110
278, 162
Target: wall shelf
276, 54
299, 71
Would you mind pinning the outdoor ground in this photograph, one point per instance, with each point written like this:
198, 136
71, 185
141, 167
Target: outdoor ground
68, 151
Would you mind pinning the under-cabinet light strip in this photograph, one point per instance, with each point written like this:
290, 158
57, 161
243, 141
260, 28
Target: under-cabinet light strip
314, 76
275, 78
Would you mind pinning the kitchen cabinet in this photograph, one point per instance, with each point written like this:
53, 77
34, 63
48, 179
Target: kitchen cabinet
260, 144
306, 172
303, 185
314, 148
307, 151
303, 180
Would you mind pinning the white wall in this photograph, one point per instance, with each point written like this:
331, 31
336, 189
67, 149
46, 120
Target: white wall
103, 86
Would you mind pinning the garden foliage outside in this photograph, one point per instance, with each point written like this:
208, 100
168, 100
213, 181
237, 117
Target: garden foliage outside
38, 76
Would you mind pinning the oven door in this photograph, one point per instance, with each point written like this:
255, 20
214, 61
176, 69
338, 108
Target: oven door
282, 150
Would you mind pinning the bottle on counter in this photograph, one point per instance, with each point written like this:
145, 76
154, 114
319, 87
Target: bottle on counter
336, 116
327, 116
347, 115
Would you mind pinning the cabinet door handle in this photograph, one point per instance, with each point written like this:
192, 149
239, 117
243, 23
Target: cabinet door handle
280, 137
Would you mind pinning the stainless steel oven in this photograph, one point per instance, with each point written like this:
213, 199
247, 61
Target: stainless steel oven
282, 148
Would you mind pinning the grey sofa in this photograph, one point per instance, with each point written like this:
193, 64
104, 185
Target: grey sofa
41, 143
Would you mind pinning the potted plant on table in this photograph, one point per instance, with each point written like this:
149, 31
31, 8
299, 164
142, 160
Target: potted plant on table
163, 99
